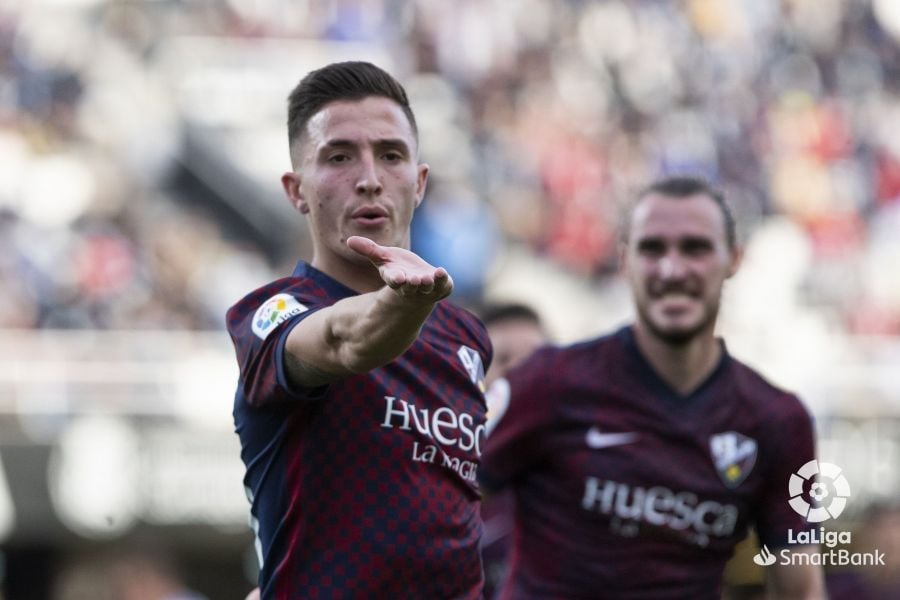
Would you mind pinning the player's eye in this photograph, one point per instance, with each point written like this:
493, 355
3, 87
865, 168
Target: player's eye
651, 247
392, 156
338, 158
695, 247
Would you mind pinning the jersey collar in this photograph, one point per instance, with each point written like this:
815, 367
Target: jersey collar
653, 379
335, 289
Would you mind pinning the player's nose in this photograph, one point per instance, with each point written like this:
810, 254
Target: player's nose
368, 181
672, 266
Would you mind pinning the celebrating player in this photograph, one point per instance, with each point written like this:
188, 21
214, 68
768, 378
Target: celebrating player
638, 460
360, 405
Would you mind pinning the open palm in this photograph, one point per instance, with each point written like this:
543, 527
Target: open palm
404, 271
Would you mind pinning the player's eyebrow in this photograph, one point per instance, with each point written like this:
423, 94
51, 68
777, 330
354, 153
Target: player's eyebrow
323, 151
392, 142
396, 144
338, 143
383, 142
697, 240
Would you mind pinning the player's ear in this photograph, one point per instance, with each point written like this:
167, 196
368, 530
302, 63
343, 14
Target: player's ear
622, 255
421, 183
737, 256
290, 181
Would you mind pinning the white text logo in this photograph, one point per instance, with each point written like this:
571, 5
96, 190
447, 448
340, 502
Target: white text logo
660, 506
827, 491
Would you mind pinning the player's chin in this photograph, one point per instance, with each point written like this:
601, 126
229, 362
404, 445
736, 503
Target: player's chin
677, 332
382, 235
355, 258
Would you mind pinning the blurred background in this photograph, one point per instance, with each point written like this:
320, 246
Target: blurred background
141, 145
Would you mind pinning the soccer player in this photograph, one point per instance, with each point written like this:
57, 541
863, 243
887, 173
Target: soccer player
360, 404
515, 331
638, 460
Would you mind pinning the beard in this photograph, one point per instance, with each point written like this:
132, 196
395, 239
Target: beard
679, 336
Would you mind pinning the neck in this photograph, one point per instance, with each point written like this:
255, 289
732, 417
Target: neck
682, 366
362, 277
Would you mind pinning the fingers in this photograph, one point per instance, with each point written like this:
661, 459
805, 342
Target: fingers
443, 283
404, 271
397, 278
434, 285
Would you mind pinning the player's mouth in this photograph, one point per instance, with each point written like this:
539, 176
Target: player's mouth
370, 216
674, 292
676, 308
674, 302
675, 297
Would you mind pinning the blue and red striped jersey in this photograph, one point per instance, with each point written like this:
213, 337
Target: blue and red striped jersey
624, 488
367, 487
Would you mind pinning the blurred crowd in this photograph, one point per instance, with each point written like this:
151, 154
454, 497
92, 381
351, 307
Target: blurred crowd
539, 119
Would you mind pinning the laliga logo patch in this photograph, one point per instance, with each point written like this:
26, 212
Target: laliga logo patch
828, 491
275, 311
471, 360
734, 455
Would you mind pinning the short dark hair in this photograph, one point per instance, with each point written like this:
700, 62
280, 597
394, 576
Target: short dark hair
684, 186
513, 311
352, 80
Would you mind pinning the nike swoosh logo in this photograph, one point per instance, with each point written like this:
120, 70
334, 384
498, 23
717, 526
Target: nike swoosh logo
597, 439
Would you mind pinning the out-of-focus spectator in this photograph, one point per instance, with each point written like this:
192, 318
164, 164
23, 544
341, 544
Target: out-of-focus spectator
516, 330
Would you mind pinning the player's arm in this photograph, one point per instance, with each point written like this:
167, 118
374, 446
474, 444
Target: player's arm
360, 333
796, 581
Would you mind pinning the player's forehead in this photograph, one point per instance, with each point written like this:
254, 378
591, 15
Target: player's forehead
659, 216
367, 120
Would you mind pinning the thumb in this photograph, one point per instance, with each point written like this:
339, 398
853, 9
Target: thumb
366, 247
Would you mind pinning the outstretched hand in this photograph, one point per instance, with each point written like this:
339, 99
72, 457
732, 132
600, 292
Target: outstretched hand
404, 271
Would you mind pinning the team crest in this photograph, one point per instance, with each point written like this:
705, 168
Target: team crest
471, 360
275, 311
734, 455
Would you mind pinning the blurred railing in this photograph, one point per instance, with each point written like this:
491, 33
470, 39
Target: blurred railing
102, 432
184, 375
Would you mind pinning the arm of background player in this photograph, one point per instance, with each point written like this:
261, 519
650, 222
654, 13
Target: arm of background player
796, 581
361, 333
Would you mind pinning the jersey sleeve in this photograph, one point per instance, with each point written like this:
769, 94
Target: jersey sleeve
259, 325
514, 442
478, 334
794, 439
